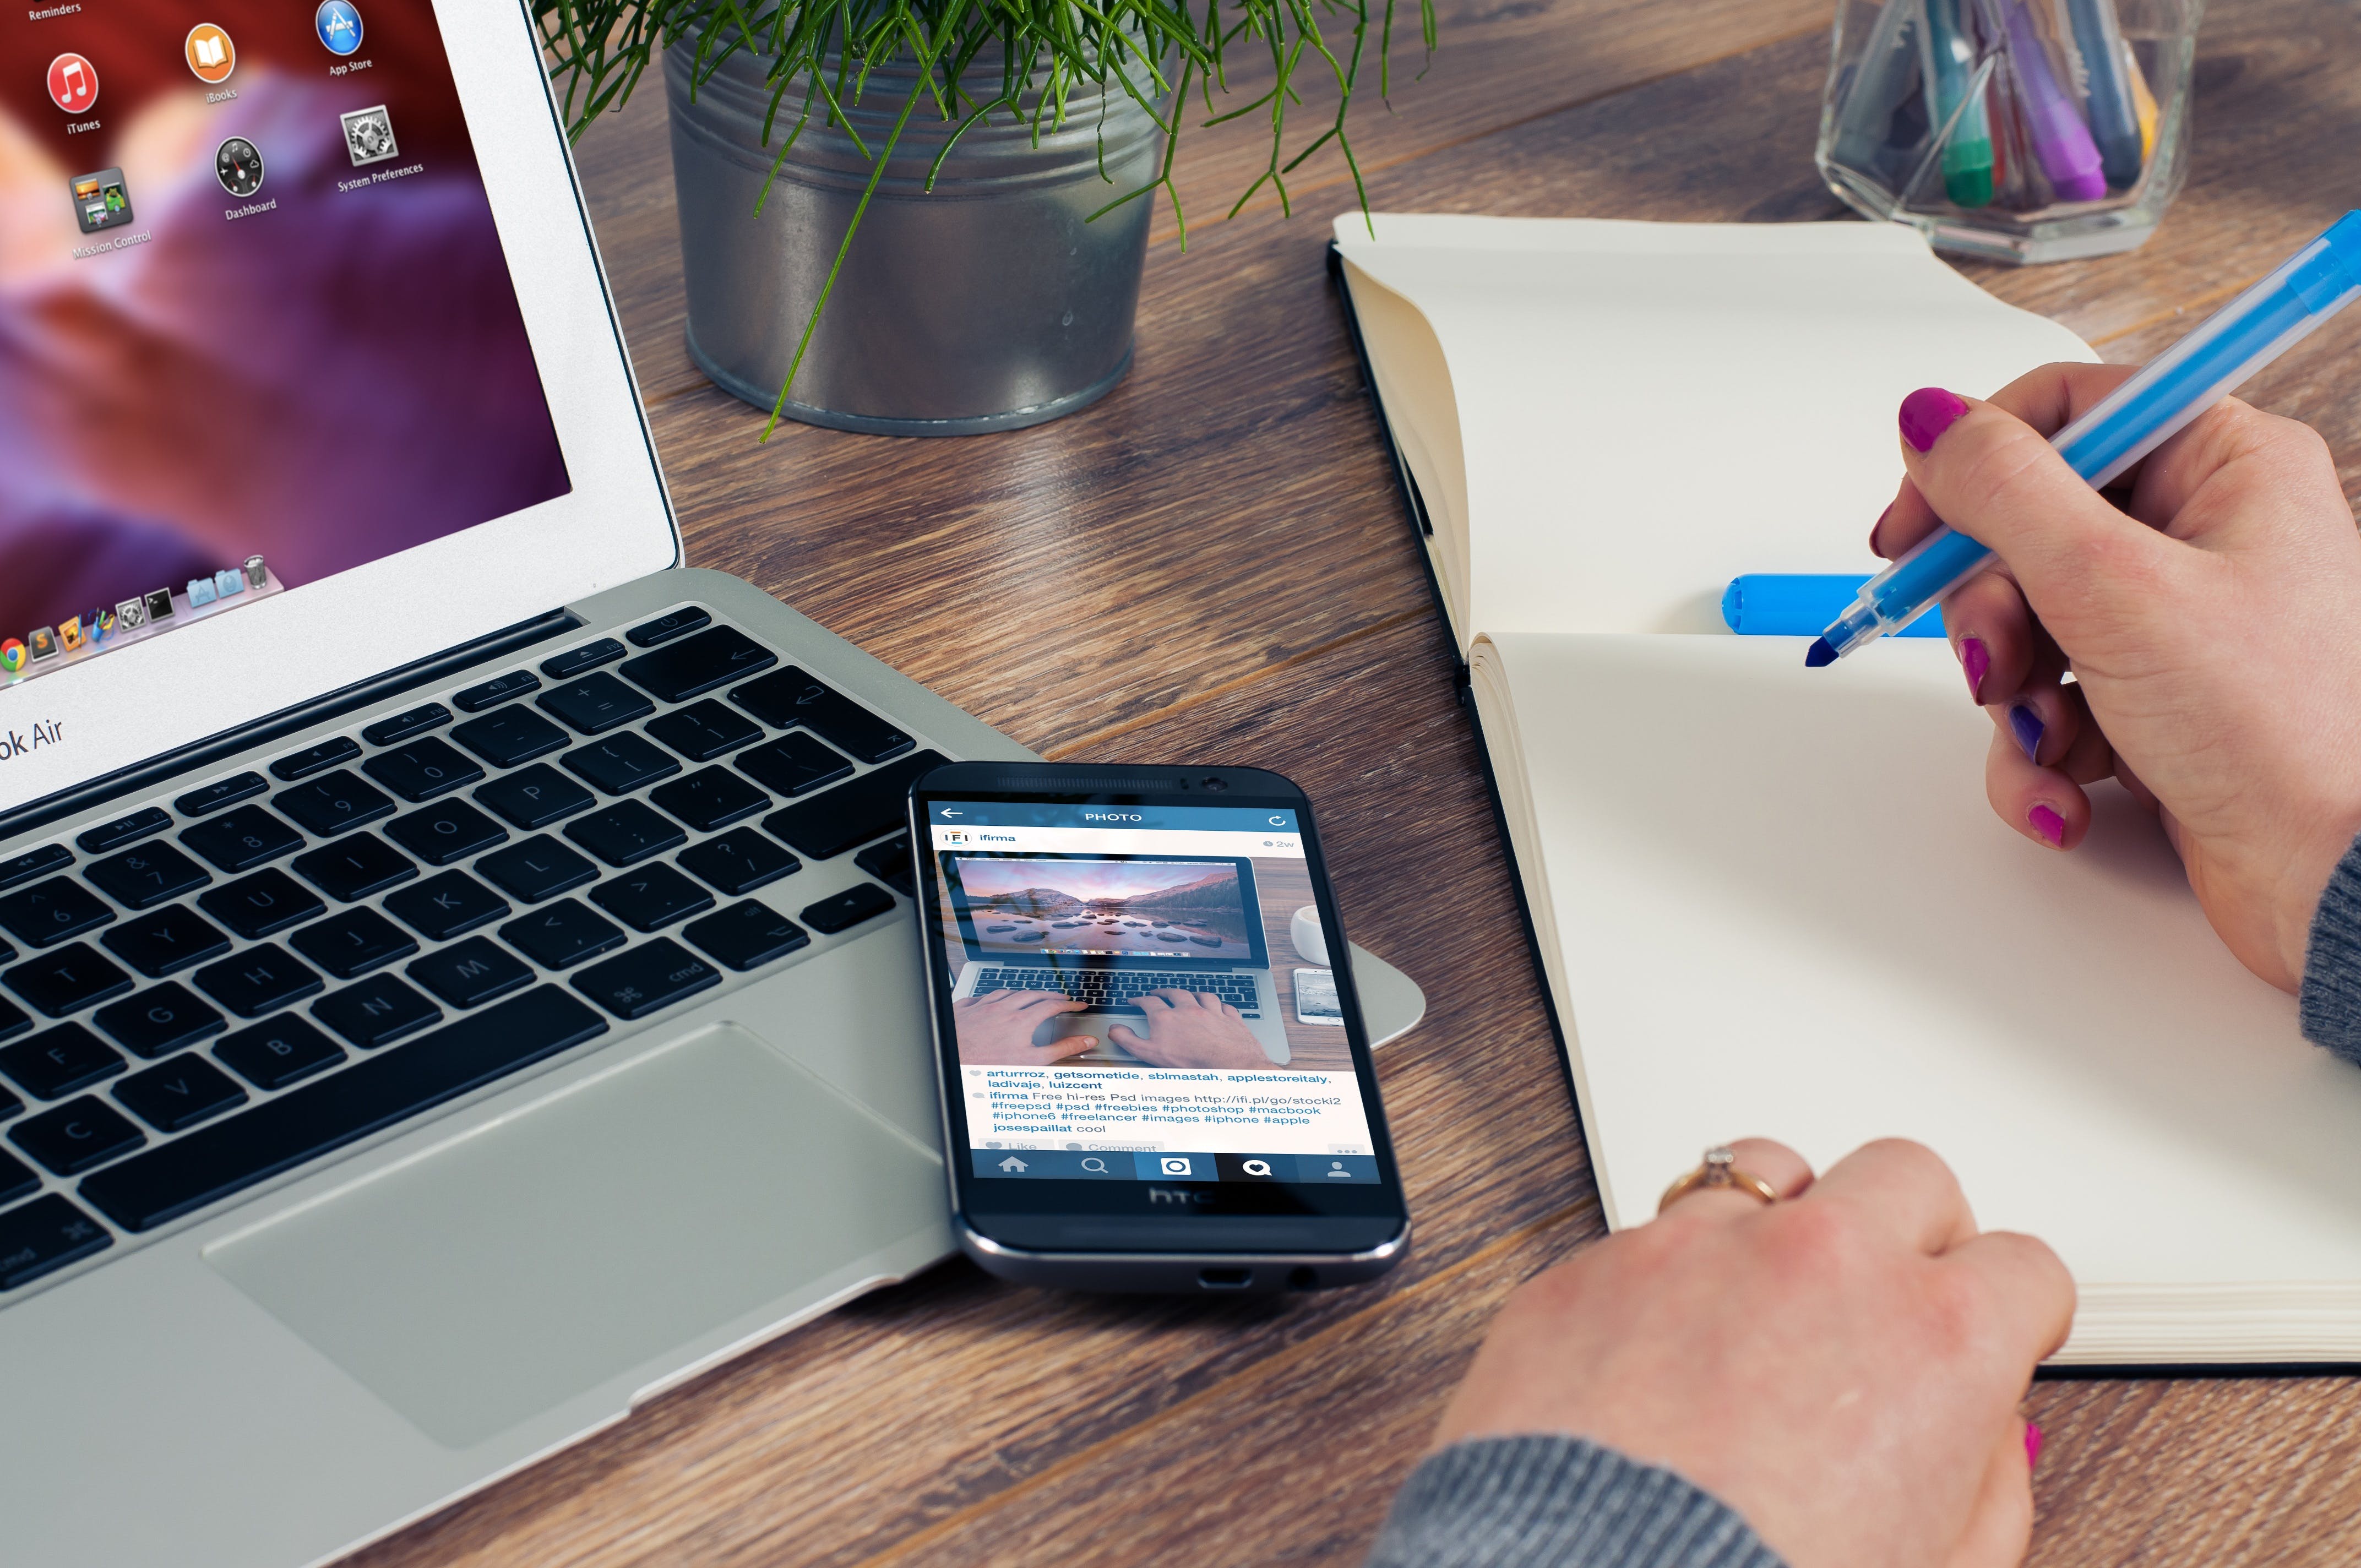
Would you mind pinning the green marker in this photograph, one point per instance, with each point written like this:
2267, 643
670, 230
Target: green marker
1967, 154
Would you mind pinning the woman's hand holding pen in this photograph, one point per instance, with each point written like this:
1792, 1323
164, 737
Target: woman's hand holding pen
2208, 608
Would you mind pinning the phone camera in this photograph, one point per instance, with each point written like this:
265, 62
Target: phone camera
1215, 784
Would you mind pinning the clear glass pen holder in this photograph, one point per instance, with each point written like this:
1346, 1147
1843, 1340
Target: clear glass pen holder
2015, 130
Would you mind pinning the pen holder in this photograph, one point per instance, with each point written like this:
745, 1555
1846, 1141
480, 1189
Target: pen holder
2015, 130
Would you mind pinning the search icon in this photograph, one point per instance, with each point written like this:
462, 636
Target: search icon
1095, 1163
1257, 1167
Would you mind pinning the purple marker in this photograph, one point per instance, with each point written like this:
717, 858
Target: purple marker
2060, 140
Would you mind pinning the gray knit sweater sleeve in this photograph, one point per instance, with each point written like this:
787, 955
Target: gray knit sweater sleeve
2330, 1002
1558, 1502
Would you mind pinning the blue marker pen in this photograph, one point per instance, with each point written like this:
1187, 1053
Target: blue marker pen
2129, 423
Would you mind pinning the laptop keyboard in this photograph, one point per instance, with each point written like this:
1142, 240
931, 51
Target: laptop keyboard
1119, 990
199, 998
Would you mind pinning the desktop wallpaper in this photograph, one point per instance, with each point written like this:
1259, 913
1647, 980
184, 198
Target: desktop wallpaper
251, 299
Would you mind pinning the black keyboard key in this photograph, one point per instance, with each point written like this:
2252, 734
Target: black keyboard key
9, 1104
52, 910
315, 759
794, 765
378, 1010
166, 1017
423, 769
651, 975
536, 796
180, 1094
590, 656
620, 764
243, 840
704, 730
56, 1062
649, 898
792, 696
471, 973
67, 980
255, 1144
889, 862
697, 664
167, 940
353, 943
447, 831
223, 792
539, 868
847, 909
17, 1179
851, 815
747, 936
739, 863
77, 1136
146, 876
325, 807
665, 628
595, 704
46, 1235
625, 832
257, 905
710, 798
124, 829
32, 863
565, 933
256, 981
13, 1021
352, 870
286, 1050
494, 692
442, 906
402, 726
507, 736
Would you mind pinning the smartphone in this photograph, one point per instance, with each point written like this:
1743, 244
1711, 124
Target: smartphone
1133, 1096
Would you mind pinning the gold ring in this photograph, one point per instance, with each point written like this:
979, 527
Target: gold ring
1719, 1169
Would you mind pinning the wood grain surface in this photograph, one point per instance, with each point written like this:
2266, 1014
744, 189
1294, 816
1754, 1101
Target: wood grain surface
1218, 558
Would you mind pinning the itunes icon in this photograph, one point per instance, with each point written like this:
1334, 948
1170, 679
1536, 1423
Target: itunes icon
74, 83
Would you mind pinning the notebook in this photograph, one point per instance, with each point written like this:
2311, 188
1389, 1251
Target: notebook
1772, 900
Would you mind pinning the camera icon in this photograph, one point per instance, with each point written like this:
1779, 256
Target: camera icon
1173, 1165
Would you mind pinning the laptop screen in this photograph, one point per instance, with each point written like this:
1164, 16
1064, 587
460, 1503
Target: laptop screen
256, 323
1090, 906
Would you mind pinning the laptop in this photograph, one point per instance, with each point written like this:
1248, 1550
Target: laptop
458, 979
1108, 930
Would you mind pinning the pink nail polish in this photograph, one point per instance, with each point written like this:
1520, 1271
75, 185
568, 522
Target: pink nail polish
2032, 1445
1975, 661
1878, 524
2049, 824
1926, 413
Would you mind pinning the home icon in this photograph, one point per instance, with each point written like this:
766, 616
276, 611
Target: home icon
1012, 1164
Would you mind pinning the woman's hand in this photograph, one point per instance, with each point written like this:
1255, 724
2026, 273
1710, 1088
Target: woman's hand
2212, 625
1842, 1367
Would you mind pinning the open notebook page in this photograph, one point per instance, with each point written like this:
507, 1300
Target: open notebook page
1774, 901
1609, 421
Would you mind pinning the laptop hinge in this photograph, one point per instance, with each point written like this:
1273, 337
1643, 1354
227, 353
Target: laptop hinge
141, 777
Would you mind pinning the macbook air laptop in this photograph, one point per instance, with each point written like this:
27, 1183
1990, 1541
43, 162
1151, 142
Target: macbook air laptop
455, 970
1110, 930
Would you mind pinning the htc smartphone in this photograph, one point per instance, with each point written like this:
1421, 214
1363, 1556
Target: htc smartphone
1153, 1076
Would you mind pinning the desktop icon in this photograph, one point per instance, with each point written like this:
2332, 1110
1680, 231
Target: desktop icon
209, 54
159, 605
339, 26
227, 582
131, 615
257, 575
101, 622
201, 591
43, 641
70, 634
74, 83
237, 164
368, 136
12, 655
101, 199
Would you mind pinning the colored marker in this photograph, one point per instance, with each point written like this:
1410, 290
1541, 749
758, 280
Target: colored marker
2114, 115
1798, 604
2129, 423
2060, 141
2143, 100
1952, 66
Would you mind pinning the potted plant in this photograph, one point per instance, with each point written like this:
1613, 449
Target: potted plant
930, 216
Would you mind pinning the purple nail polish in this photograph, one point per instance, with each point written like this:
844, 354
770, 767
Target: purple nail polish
1926, 413
2032, 1445
2049, 824
2027, 726
1976, 661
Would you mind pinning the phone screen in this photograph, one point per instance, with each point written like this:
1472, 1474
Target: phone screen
1140, 997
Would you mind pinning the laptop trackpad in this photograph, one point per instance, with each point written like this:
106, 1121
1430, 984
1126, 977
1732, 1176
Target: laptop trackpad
545, 1254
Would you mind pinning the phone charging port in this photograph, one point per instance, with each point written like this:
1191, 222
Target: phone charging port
1226, 1278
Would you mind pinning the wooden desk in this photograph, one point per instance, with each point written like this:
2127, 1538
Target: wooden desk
1214, 565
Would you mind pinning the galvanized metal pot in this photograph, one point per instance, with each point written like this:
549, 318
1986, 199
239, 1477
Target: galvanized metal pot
988, 304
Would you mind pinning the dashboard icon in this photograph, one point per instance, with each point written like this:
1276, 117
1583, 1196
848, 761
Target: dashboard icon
209, 52
339, 26
239, 166
74, 83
